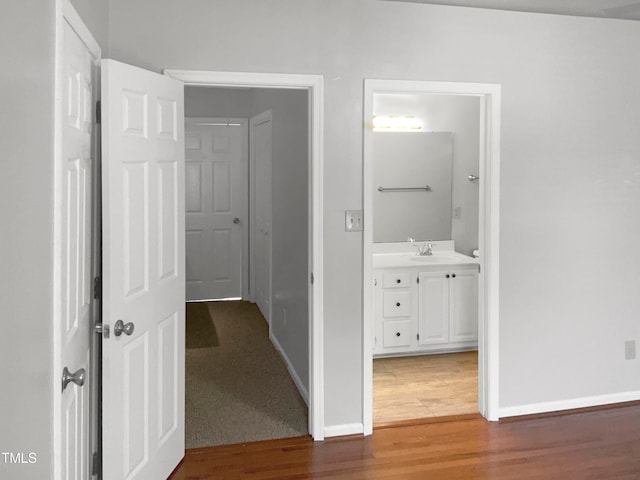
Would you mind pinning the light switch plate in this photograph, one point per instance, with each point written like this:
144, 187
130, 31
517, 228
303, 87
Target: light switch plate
353, 220
630, 350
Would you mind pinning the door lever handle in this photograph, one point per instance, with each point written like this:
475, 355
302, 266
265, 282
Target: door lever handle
121, 327
68, 377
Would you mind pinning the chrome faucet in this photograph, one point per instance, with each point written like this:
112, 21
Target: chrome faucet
424, 248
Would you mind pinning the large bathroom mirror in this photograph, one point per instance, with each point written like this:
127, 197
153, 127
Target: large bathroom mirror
425, 155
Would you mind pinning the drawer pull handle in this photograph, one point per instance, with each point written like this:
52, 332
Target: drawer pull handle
397, 334
397, 304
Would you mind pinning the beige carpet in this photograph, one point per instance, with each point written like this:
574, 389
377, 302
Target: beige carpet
240, 391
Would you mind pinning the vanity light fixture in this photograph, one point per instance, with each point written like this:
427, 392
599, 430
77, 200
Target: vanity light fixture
396, 123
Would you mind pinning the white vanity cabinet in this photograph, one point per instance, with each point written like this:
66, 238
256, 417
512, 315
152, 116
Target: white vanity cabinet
425, 309
448, 307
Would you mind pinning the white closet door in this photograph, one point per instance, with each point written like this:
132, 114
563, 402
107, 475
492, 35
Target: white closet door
144, 275
261, 152
216, 207
78, 122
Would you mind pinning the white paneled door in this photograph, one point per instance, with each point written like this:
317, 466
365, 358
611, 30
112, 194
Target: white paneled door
261, 152
216, 207
75, 256
143, 273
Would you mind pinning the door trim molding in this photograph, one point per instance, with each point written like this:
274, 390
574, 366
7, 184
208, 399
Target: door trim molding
253, 122
64, 12
489, 235
314, 84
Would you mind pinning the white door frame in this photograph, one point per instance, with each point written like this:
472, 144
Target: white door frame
65, 12
489, 235
254, 121
314, 84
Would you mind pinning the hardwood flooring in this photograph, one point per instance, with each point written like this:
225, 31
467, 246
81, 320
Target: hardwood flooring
601, 445
425, 386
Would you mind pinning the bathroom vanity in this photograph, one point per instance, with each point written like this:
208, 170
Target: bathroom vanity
424, 303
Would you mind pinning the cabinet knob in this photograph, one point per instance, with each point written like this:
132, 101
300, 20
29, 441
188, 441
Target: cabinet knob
448, 275
397, 304
398, 281
397, 334
453, 275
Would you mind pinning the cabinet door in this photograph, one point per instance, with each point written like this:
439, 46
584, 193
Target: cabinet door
464, 306
433, 308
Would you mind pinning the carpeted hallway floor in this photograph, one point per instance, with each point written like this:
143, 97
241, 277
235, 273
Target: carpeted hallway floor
240, 391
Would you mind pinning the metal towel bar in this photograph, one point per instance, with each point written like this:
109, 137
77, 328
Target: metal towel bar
426, 188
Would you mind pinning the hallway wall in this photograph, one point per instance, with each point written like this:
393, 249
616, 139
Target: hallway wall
26, 242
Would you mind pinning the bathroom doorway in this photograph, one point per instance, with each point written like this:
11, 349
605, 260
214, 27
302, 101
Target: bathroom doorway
429, 328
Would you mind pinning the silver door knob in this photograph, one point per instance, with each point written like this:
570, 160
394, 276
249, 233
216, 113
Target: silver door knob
121, 327
236, 220
68, 377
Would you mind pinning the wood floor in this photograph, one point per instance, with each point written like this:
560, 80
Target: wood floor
425, 386
601, 445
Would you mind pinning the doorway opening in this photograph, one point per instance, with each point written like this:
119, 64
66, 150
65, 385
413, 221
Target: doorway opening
434, 291
275, 311
247, 268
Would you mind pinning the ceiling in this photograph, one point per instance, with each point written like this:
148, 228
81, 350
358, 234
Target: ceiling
620, 9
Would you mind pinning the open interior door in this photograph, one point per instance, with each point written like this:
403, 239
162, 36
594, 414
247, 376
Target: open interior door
143, 273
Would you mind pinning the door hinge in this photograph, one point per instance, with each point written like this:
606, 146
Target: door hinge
97, 288
418, 336
98, 112
312, 278
101, 329
95, 464
418, 279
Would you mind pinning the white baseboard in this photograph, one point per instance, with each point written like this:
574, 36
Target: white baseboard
346, 429
583, 402
294, 375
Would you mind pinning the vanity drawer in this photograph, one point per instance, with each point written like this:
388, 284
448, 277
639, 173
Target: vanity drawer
396, 334
396, 280
396, 304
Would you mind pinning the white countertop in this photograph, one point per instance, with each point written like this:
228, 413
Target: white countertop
411, 259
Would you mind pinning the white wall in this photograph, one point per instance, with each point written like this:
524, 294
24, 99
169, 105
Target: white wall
95, 15
290, 220
570, 181
290, 302
220, 102
460, 115
26, 253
